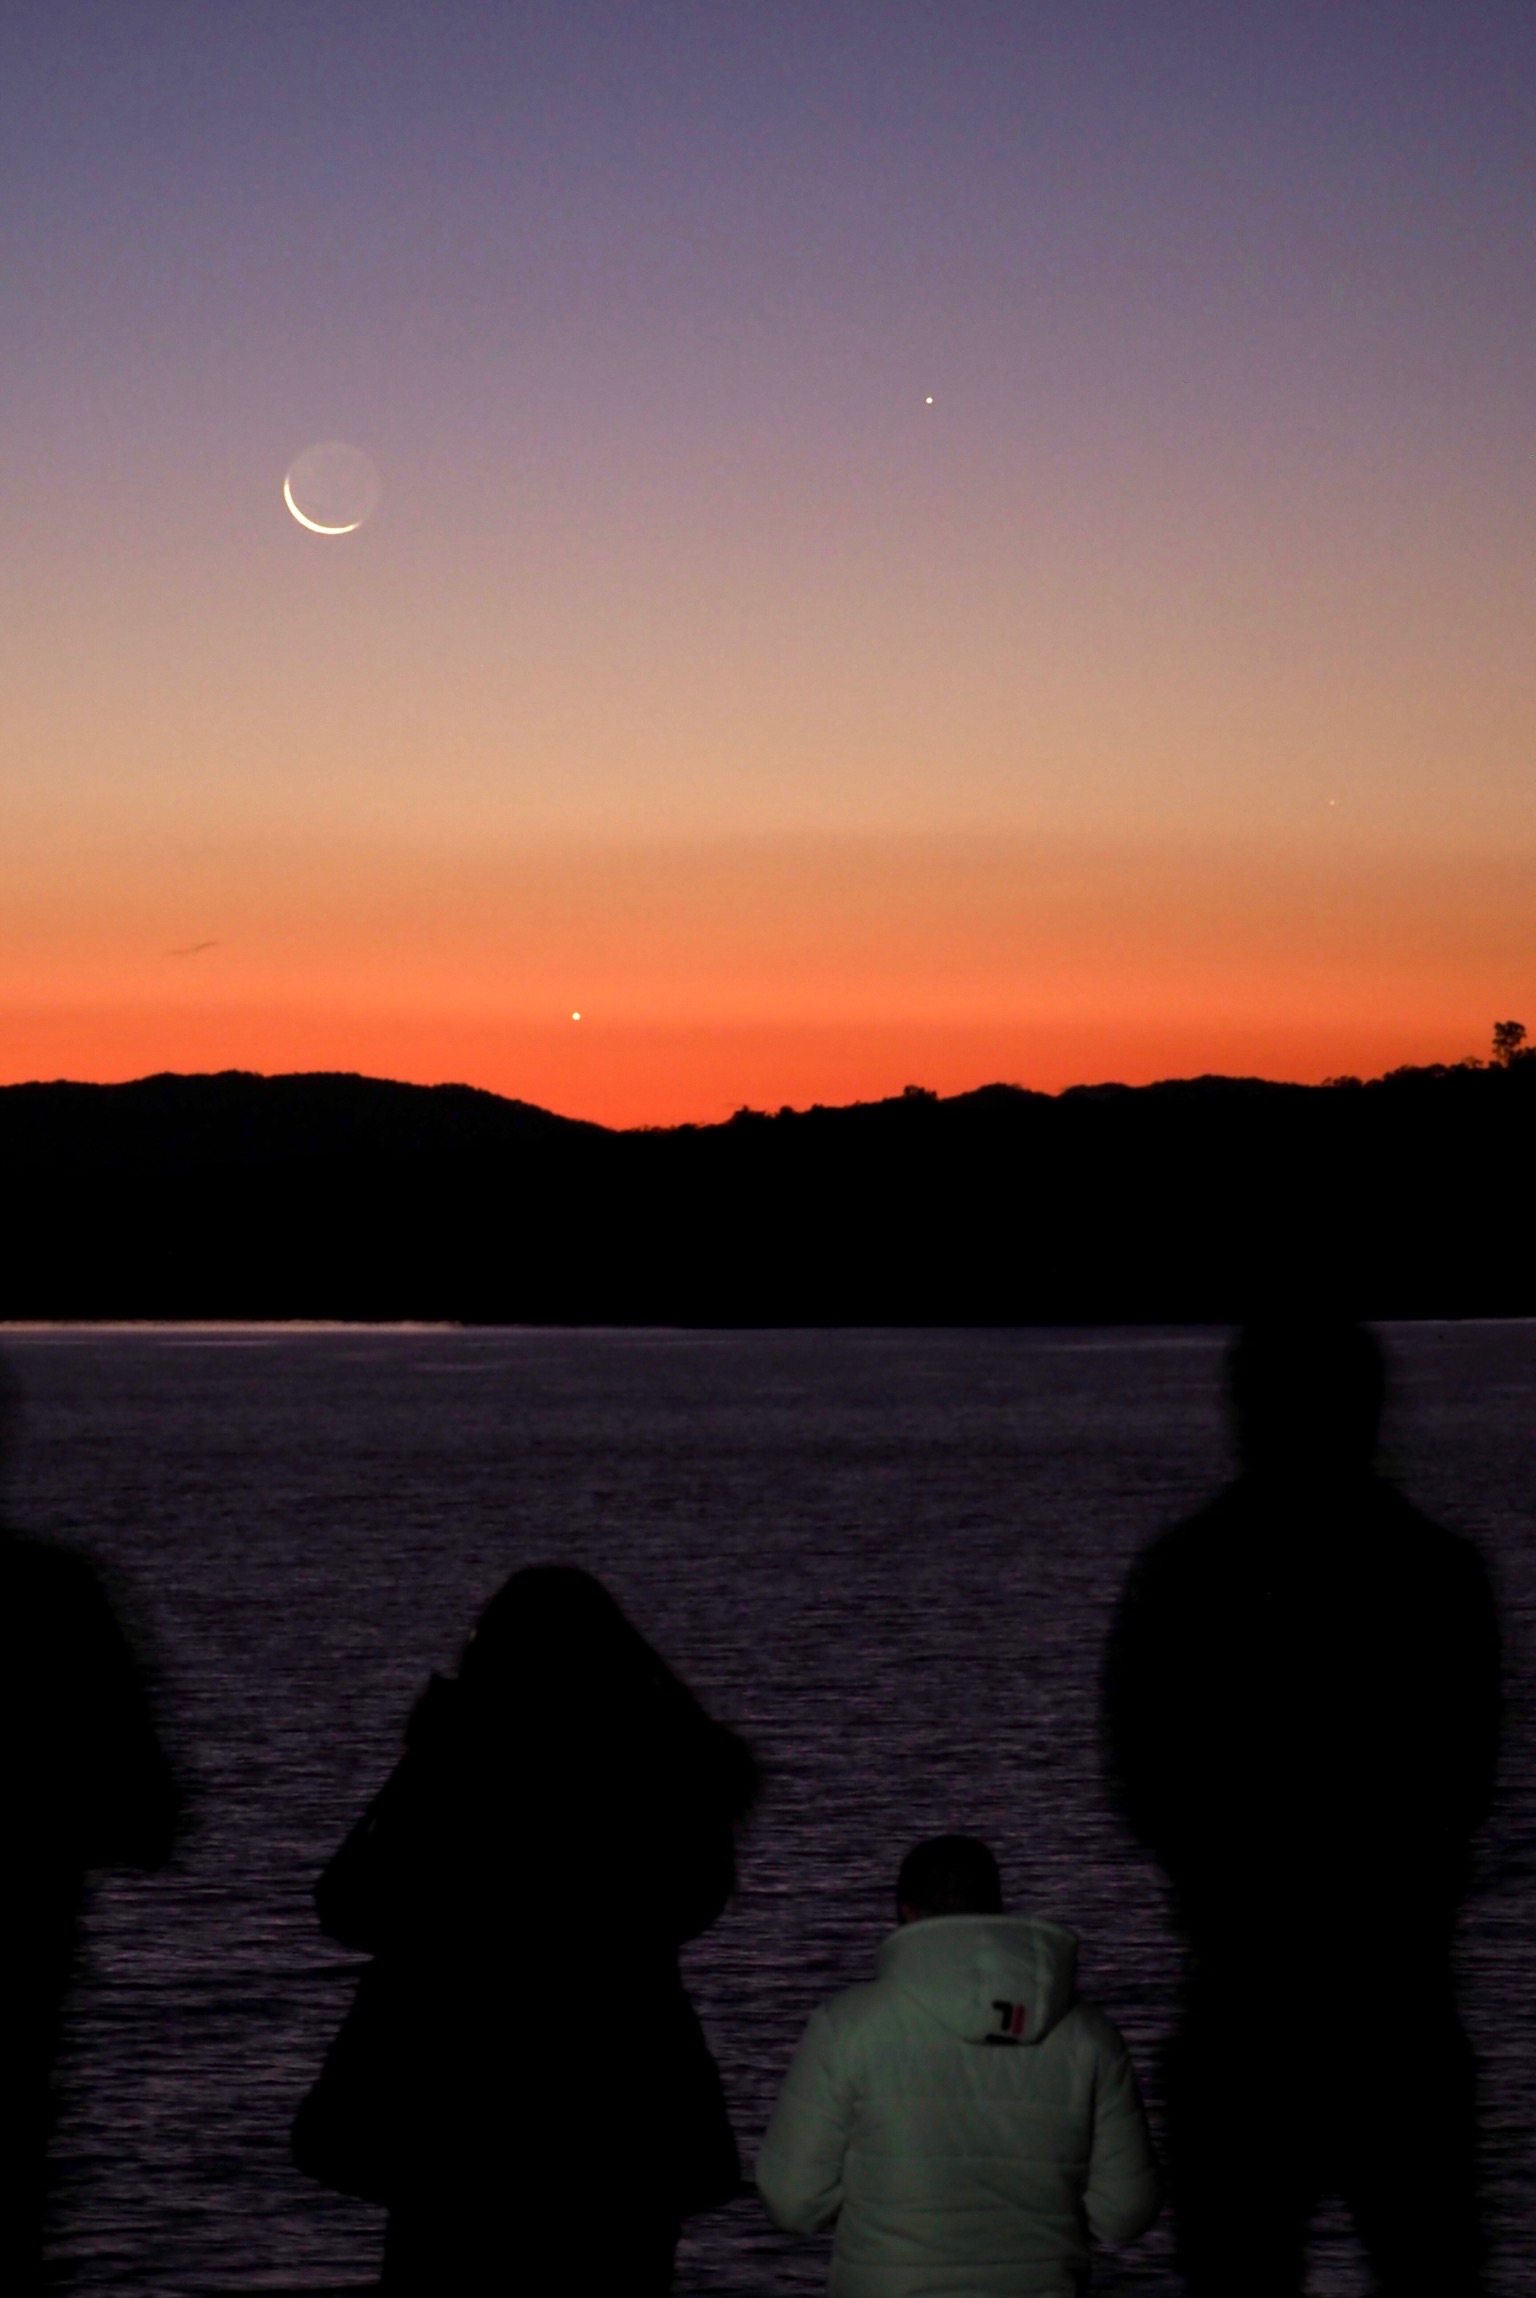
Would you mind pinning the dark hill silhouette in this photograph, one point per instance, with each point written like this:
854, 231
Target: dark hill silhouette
338, 1196
241, 1118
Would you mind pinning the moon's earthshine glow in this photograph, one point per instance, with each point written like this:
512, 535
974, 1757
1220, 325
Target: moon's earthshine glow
332, 488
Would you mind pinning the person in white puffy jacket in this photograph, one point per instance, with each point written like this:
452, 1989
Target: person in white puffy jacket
966, 2122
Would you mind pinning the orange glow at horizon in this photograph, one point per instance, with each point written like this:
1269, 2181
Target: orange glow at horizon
656, 1077
767, 971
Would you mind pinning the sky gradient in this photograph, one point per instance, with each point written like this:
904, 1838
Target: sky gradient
919, 544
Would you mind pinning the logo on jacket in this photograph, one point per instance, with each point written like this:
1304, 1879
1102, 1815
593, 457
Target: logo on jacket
1012, 2019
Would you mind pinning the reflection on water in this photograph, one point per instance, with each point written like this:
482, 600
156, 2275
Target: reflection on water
888, 1557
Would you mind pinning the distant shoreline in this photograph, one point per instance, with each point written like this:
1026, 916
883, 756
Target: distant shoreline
272, 1331
232, 1325
232, 1202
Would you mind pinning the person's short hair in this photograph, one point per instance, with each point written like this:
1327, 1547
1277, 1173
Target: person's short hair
952, 1875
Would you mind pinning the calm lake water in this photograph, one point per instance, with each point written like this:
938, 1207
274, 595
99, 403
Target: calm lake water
888, 1557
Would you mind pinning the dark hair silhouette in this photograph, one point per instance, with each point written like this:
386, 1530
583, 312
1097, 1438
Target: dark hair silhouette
1301, 1711
950, 1875
83, 1784
553, 1653
522, 2079
554, 1631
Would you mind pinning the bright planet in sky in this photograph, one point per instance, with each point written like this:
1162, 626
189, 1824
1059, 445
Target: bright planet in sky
332, 488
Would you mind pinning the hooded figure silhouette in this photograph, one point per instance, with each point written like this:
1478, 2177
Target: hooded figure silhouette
525, 2083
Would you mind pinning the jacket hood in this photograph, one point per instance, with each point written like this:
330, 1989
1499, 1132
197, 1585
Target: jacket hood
988, 1978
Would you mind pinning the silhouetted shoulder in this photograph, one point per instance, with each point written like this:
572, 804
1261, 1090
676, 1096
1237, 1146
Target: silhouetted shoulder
1250, 1539
1289, 1664
82, 1774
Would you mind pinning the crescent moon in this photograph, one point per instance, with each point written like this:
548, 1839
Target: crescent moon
313, 525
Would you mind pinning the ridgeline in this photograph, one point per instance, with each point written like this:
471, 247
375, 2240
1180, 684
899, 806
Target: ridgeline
350, 1197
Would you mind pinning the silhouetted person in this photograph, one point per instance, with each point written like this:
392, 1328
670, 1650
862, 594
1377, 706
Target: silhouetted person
966, 2121
83, 1784
541, 2108
1302, 1716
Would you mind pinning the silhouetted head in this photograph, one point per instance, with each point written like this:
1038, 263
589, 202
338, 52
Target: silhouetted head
554, 1628
554, 1653
951, 1875
1306, 1397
